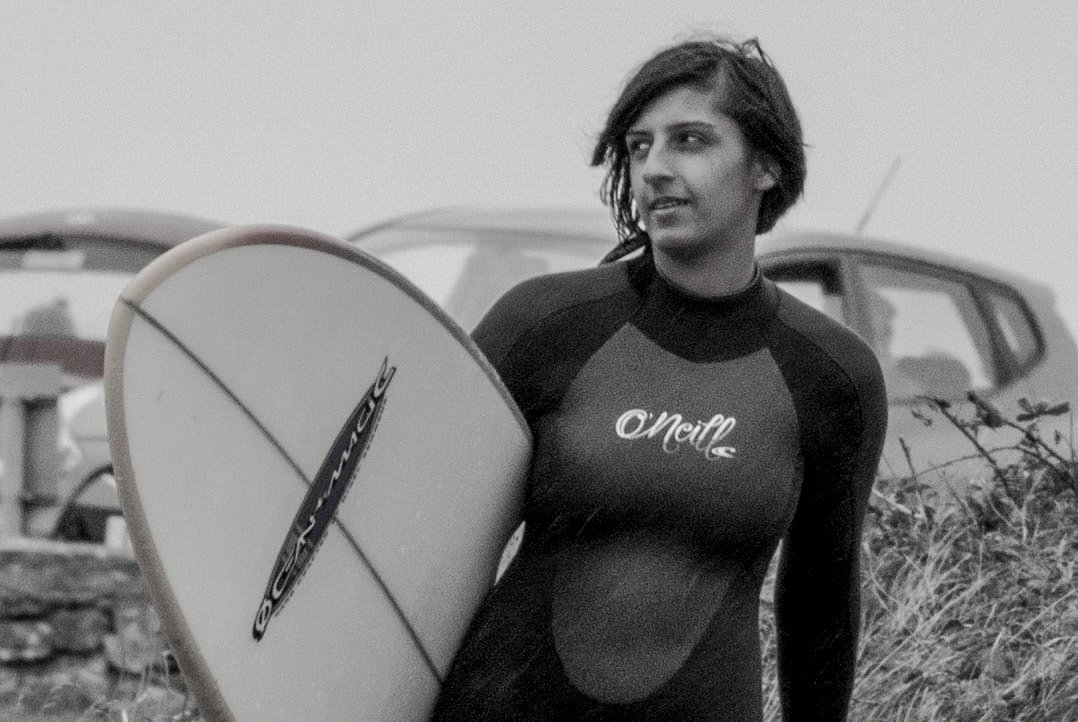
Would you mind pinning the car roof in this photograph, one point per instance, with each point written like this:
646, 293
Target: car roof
144, 226
568, 222
796, 240
595, 223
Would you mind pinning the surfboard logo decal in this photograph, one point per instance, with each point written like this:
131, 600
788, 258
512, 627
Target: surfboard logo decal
320, 504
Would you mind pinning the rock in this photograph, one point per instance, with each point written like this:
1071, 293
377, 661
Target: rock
134, 648
66, 700
9, 683
40, 699
78, 630
91, 675
160, 703
37, 576
25, 641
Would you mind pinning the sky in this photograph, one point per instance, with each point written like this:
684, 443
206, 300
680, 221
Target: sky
335, 115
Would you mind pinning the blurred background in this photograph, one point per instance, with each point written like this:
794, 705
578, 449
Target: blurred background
335, 115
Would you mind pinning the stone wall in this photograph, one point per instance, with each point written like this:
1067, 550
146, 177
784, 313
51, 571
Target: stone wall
79, 638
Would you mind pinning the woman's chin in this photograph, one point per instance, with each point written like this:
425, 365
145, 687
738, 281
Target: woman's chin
677, 246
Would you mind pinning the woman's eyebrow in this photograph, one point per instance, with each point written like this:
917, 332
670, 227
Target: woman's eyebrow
691, 125
682, 125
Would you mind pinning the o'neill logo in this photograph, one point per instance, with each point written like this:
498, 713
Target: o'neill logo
704, 436
320, 504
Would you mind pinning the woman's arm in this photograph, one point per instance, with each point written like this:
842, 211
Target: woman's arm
818, 588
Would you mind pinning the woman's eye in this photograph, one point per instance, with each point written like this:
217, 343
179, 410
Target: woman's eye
637, 147
691, 139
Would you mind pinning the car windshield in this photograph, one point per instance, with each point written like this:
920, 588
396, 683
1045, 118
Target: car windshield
56, 298
465, 271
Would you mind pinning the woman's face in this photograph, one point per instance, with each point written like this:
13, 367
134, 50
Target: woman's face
695, 183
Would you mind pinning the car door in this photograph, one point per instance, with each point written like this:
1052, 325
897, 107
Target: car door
936, 335
940, 333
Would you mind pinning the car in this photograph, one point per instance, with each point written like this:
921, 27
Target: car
940, 325
60, 274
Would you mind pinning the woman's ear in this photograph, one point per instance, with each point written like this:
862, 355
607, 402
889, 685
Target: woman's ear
767, 175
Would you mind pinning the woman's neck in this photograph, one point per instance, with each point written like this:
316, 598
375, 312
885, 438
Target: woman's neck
721, 272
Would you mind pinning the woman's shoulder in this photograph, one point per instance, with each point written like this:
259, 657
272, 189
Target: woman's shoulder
542, 296
570, 287
556, 298
841, 349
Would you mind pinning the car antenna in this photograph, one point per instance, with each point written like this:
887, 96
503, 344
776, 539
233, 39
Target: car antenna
879, 194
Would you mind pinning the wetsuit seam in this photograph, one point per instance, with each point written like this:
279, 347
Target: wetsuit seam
861, 446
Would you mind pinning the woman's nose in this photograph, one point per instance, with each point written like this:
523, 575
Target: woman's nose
657, 165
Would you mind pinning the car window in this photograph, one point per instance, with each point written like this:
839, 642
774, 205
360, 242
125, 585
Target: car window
813, 282
434, 268
47, 303
1016, 326
466, 271
927, 333
56, 302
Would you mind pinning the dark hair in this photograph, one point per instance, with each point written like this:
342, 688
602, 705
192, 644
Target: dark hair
752, 94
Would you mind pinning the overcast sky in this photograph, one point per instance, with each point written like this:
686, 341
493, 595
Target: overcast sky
336, 115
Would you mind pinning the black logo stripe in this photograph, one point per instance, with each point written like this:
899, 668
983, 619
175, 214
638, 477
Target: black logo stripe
319, 506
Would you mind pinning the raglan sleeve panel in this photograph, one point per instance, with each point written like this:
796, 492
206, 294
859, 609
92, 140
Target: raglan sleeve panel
503, 335
842, 410
502, 327
537, 333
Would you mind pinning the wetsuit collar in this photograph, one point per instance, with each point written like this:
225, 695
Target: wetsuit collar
697, 327
730, 300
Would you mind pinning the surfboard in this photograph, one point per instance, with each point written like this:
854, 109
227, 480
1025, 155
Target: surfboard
318, 469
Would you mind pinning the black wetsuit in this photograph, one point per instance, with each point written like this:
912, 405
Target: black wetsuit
677, 440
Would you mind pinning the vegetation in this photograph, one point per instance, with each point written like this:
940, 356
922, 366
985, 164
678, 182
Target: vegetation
969, 601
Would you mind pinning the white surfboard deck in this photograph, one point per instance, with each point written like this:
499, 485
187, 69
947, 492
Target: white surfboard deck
233, 363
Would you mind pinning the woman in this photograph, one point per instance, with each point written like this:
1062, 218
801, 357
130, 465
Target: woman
687, 416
